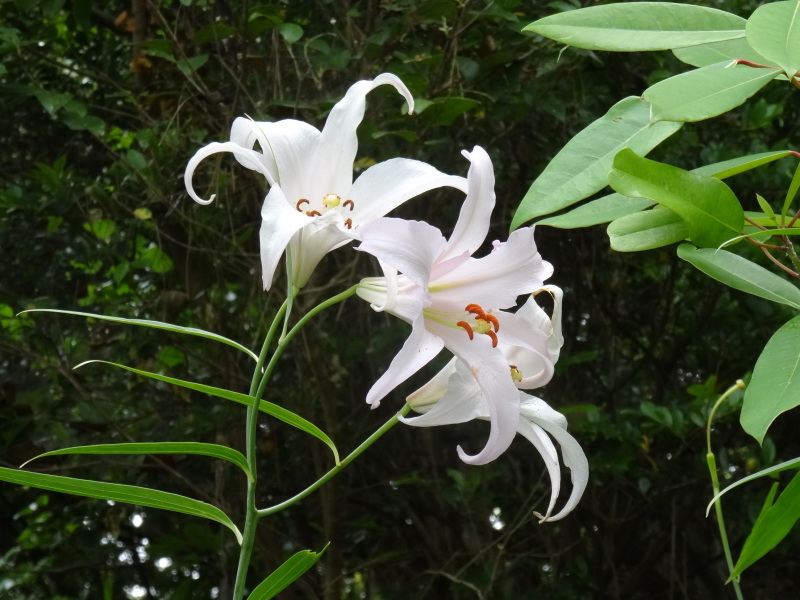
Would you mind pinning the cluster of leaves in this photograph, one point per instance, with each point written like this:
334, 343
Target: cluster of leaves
96, 218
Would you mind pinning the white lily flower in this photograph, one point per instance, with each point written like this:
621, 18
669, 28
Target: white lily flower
313, 205
453, 396
448, 297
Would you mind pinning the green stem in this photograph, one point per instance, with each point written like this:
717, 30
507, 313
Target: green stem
712, 469
251, 515
335, 470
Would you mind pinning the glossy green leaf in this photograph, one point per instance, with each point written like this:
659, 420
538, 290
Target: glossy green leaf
773, 470
773, 30
773, 524
602, 210
706, 204
775, 385
638, 26
741, 274
154, 325
289, 572
705, 93
269, 408
647, 230
212, 450
704, 55
120, 493
734, 166
581, 167
791, 193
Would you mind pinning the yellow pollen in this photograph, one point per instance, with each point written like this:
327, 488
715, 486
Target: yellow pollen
331, 200
516, 374
481, 326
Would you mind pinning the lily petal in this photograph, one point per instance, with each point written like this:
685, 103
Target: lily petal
451, 397
249, 158
540, 440
385, 186
313, 242
279, 222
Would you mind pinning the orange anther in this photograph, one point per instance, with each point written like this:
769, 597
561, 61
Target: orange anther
350, 202
313, 213
475, 309
493, 320
299, 203
492, 335
348, 223
466, 327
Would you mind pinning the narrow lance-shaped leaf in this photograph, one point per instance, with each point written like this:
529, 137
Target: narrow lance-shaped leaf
775, 385
153, 324
289, 572
636, 26
708, 206
741, 274
774, 31
705, 93
274, 410
773, 524
211, 450
581, 167
773, 470
120, 493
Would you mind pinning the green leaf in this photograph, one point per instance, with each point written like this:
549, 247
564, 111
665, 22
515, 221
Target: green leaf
52, 101
213, 32
705, 93
791, 193
581, 167
637, 26
102, 228
706, 204
774, 31
154, 325
274, 410
291, 32
773, 524
773, 470
741, 274
734, 166
212, 450
287, 573
189, 65
705, 55
647, 230
602, 210
775, 385
443, 111
120, 493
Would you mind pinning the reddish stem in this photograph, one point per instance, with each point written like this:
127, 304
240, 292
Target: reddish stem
777, 262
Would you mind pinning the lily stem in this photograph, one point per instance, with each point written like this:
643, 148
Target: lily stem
336, 468
712, 469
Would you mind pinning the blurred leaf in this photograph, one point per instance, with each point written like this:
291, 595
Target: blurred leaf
120, 493
443, 111
288, 572
213, 32
189, 65
775, 385
708, 206
705, 93
773, 30
741, 274
636, 26
291, 32
581, 166
212, 450
103, 228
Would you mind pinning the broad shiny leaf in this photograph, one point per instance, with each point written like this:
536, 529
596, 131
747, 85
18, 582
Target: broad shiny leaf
705, 55
775, 385
647, 230
636, 26
120, 493
602, 210
773, 30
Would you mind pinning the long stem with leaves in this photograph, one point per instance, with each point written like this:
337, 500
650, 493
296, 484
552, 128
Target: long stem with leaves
712, 469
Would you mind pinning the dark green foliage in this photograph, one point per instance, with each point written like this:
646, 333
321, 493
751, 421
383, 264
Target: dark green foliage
102, 108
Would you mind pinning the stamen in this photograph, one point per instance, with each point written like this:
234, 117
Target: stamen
516, 374
350, 202
492, 335
313, 213
331, 200
493, 320
466, 327
475, 309
348, 223
299, 203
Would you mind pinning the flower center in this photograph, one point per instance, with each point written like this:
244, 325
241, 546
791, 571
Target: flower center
329, 201
485, 323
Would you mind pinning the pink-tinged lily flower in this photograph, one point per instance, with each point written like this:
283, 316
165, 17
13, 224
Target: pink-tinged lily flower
313, 205
455, 301
453, 396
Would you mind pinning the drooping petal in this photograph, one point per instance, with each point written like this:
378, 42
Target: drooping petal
419, 349
499, 278
336, 150
313, 242
246, 133
279, 222
410, 247
537, 411
249, 158
537, 436
526, 347
490, 369
455, 395
473, 220
387, 185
